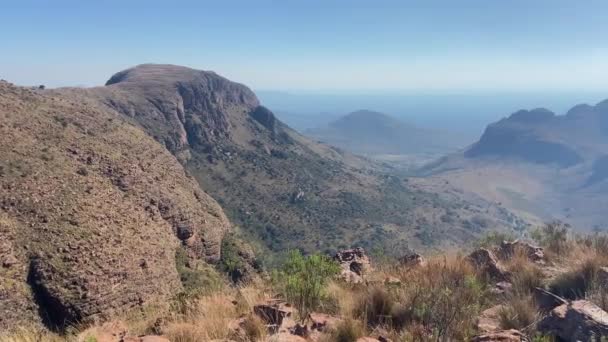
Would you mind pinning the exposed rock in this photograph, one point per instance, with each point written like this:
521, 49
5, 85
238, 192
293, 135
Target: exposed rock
412, 260
322, 322
273, 312
355, 264
489, 320
485, 261
534, 253
501, 336
88, 250
579, 320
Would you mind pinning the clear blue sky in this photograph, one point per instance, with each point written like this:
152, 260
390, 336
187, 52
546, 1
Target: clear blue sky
316, 45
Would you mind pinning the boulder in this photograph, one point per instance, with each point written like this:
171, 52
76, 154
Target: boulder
501, 336
489, 320
486, 262
579, 320
354, 263
274, 313
322, 322
535, 254
412, 260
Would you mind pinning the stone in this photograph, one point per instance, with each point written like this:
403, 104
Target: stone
9, 261
535, 254
412, 260
579, 320
486, 262
273, 312
354, 263
322, 322
501, 336
489, 320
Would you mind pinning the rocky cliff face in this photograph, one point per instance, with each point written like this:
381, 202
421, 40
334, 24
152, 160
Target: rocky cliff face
285, 190
540, 136
92, 212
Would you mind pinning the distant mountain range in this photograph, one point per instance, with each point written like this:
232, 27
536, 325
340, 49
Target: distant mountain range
386, 138
548, 165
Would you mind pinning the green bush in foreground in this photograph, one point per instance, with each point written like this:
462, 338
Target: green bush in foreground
303, 280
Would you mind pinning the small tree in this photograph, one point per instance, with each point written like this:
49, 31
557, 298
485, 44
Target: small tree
303, 280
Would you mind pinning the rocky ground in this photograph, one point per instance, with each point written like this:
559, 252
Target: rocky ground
498, 291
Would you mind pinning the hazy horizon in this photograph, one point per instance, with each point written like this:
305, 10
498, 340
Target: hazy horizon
327, 46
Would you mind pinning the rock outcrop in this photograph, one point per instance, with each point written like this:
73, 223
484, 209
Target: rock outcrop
486, 262
92, 212
534, 253
579, 320
354, 263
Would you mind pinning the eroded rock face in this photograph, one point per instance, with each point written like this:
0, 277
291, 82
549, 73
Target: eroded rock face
485, 261
579, 320
355, 264
93, 211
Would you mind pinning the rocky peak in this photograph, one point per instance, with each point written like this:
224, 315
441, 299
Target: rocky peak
181, 107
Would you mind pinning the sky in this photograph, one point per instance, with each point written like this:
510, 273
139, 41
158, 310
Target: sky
332, 46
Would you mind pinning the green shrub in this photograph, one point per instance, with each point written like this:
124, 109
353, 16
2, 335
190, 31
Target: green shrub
303, 280
197, 277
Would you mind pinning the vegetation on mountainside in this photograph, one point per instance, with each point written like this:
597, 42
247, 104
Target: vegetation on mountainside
303, 280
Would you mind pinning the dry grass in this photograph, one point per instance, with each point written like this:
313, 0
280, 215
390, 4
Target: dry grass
526, 275
519, 312
348, 330
581, 277
438, 300
208, 319
32, 335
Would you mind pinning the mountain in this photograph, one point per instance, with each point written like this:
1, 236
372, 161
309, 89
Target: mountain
376, 135
108, 195
540, 163
93, 213
284, 190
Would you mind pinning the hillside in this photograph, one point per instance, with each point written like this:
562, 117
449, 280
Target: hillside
386, 138
276, 184
539, 164
93, 213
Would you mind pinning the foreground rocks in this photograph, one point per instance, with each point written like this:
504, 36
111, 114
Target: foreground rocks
92, 213
354, 263
579, 320
534, 253
486, 262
